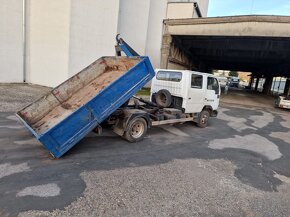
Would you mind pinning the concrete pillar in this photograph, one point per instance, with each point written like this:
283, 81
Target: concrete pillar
251, 82
257, 84
287, 87
268, 85
165, 50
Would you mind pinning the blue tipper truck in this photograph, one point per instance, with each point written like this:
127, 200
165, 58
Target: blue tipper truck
64, 116
99, 96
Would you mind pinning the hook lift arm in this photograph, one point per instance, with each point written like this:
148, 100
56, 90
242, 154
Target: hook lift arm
123, 46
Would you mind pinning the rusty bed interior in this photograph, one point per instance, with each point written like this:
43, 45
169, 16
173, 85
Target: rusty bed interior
75, 92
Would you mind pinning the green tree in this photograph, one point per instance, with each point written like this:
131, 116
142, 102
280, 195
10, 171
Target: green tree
233, 74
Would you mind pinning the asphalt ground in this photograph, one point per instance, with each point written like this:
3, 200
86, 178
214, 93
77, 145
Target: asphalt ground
238, 166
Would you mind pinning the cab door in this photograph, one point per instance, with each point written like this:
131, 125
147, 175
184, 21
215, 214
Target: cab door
196, 93
212, 96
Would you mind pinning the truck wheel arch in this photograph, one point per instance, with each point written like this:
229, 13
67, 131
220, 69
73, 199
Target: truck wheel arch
122, 124
208, 108
145, 116
213, 113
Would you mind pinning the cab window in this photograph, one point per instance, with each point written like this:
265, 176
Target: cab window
212, 84
169, 76
196, 81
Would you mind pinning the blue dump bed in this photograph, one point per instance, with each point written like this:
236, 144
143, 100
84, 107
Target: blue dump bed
70, 111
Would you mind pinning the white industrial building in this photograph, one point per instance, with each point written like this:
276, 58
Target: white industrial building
45, 42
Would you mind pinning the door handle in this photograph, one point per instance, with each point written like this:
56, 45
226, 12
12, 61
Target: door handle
189, 98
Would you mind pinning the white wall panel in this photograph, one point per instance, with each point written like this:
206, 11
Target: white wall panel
154, 32
133, 23
180, 10
48, 41
93, 28
64, 36
11, 45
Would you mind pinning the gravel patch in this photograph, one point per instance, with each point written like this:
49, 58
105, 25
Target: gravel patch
179, 188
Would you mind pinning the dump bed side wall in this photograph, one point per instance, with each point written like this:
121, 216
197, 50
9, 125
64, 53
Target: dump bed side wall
122, 90
78, 81
37, 110
70, 131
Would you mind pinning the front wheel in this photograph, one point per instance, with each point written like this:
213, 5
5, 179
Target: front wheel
136, 130
203, 119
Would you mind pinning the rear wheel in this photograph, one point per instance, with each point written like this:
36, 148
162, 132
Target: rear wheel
203, 119
136, 130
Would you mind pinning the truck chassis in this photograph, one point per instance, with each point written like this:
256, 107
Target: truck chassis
132, 121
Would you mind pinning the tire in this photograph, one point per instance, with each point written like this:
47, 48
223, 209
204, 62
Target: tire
163, 98
136, 130
203, 119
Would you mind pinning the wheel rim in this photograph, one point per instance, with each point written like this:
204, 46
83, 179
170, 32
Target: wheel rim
204, 119
137, 129
163, 98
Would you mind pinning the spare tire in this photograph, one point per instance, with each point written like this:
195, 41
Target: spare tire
163, 98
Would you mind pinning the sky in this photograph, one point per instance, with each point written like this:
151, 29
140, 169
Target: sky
246, 7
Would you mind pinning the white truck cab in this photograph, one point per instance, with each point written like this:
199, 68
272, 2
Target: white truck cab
177, 96
190, 91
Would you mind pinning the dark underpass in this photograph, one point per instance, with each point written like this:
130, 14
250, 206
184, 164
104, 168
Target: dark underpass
230, 43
